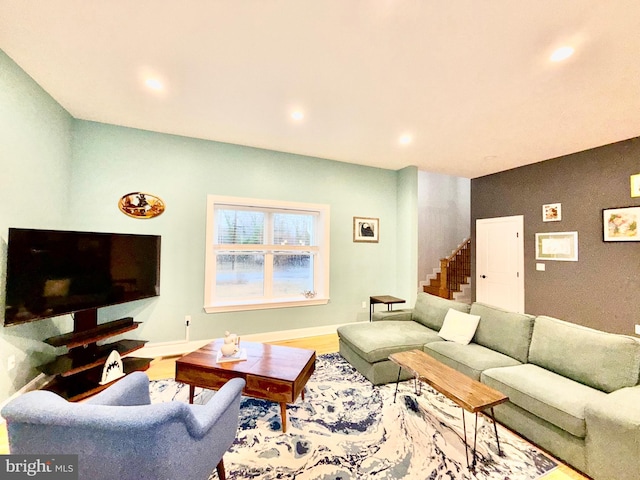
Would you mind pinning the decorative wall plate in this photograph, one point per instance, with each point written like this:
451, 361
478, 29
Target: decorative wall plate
141, 205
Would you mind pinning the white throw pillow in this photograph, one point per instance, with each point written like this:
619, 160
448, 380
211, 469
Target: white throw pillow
459, 327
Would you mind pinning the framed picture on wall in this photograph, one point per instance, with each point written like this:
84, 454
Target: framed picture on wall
621, 224
366, 229
552, 212
560, 246
141, 205
635, 185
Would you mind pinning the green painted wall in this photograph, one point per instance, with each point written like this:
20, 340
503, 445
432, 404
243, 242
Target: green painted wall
59, 172
407, 235
110, 161
35, 160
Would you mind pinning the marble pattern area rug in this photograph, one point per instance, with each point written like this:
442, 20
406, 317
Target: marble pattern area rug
346, 428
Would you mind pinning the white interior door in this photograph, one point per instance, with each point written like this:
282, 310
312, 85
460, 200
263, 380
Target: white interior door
500, 262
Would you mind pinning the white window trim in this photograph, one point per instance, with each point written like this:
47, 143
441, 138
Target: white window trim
321, 275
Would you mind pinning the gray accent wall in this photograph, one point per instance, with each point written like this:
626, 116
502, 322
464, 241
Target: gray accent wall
602, 289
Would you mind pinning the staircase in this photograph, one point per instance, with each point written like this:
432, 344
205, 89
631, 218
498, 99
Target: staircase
452, 281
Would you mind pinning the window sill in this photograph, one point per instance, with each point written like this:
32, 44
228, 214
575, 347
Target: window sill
238, 307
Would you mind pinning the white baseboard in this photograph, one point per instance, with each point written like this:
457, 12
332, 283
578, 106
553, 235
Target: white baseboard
428, 278
171, 349
168, 349
433, 275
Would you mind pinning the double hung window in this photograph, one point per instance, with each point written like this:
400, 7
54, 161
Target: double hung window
265, 254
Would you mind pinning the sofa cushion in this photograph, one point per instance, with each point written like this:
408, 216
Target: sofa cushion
459, 327
601, 360
431, 310
396, 315
552, 397
504, 331
469, 359
377, 373
375, 341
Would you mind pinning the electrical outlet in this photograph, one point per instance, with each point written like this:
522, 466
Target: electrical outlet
364, 304
11, 362
637, 329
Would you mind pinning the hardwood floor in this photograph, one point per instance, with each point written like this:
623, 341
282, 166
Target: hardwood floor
162, 368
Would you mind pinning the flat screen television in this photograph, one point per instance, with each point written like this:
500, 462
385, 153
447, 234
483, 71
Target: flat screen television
55, 272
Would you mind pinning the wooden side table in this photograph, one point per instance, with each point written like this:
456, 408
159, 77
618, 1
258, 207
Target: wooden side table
386, 299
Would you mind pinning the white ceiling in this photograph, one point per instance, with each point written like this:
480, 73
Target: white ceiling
470, 80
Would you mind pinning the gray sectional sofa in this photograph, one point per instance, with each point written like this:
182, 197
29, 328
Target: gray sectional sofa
572, 390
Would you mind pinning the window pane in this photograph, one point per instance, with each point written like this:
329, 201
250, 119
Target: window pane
292, 275
240, 227
265, 254
239, 275
292, 229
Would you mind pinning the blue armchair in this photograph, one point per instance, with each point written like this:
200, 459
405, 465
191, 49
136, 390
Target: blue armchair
119, 434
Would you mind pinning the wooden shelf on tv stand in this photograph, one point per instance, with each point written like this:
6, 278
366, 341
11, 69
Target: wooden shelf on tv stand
78, 373
87, 383
75, 362
93, 334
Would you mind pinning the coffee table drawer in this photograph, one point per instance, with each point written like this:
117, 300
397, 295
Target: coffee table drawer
269, 389
203, 378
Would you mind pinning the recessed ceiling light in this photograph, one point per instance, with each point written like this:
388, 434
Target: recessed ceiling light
297, 115
154, 84
405, 139
561, 53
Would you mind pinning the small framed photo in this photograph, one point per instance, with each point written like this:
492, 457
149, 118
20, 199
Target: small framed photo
366, 229
635, 185
552, 212
560, 246
621, 224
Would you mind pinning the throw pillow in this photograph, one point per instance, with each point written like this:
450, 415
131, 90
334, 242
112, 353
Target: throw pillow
459, 327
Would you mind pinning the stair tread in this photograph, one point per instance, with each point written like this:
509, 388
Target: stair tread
457, 268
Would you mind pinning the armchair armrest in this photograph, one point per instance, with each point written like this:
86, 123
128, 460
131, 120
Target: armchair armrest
613, 435
404, 315
221, 410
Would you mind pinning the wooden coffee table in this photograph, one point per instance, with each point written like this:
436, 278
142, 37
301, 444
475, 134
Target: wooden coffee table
271, 372
469, 394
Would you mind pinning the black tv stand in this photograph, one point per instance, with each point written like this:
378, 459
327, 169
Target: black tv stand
77, 374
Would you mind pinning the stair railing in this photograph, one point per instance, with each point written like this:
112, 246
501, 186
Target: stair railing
455, 269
